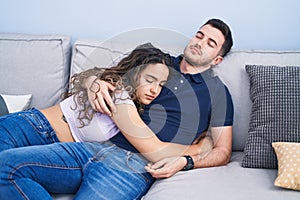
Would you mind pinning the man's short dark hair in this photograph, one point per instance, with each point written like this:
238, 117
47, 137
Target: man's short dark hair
224, 28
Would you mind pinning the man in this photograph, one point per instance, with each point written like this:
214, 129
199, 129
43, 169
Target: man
193, 102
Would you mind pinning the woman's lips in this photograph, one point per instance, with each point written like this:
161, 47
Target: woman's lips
149, 97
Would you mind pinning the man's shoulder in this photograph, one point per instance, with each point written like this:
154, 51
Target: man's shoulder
210, 76
215, 82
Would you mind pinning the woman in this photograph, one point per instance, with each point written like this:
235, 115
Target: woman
74, 119
36, 171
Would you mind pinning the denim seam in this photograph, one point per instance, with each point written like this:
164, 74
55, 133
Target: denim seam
19, 189
11, 174
129, 155
99, 157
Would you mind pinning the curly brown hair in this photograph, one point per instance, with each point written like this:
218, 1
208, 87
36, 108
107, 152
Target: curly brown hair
124, 76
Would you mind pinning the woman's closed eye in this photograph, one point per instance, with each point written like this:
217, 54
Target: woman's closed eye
161, 84
149, 80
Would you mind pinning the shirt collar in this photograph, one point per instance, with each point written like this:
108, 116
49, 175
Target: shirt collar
197, 78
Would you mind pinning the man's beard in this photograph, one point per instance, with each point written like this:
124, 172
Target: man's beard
196, 61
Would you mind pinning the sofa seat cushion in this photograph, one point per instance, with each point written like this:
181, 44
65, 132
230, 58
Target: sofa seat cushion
226, 182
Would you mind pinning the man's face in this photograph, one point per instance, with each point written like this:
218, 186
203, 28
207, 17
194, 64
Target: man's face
203, 48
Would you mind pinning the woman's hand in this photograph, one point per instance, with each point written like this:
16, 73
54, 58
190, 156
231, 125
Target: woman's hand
166, 167
98, 94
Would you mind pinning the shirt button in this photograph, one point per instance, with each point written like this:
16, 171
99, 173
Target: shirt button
181, 81
175, 88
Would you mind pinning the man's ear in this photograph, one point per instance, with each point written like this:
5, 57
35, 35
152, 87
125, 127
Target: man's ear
218, 59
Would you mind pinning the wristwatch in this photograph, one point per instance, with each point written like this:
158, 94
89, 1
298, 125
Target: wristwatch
190, 163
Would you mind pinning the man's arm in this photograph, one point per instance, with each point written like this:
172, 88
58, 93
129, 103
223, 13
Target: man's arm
98, 94
218, 156
221, 152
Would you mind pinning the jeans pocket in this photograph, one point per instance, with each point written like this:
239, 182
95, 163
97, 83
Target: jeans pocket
39, 123
33, 120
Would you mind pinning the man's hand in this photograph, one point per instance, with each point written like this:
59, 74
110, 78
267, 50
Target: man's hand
98, 94
166, 167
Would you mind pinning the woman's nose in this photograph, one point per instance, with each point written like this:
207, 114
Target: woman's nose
154, 88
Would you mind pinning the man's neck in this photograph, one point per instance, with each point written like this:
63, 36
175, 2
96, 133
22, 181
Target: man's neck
187, 68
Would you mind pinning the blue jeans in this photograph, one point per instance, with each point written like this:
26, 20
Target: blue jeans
26, 128
89, 170
38, 168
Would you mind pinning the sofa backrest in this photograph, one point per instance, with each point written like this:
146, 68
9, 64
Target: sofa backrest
40, 65
88, 53
36, 65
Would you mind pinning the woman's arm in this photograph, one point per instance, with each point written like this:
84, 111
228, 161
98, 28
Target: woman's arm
132, 126
144, 140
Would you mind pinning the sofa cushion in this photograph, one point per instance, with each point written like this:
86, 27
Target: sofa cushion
89, 53
288, 156
275, 116
34, 64
225, 182
3, 107
15, 103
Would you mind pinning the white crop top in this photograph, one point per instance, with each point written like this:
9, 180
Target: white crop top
100, 128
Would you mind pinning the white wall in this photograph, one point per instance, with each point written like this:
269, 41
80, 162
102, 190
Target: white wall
256, 24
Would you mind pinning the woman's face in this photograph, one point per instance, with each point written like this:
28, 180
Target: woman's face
152, 78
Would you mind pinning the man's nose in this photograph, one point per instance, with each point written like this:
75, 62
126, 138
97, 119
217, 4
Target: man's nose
199, 44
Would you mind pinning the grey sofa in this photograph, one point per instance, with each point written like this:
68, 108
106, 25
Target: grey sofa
41, 65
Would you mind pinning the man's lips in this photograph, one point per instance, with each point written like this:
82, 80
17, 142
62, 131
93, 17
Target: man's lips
196, 49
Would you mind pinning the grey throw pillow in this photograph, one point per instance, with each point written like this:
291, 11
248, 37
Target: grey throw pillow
3, 107
275, 115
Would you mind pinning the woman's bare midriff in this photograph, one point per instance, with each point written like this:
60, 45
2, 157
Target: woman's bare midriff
54, 116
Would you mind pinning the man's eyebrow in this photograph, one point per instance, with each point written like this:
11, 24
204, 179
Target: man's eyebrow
210, 39
200, 32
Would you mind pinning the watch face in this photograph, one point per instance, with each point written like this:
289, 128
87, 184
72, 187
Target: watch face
190, 163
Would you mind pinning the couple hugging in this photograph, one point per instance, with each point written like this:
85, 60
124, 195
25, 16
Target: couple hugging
121, 128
